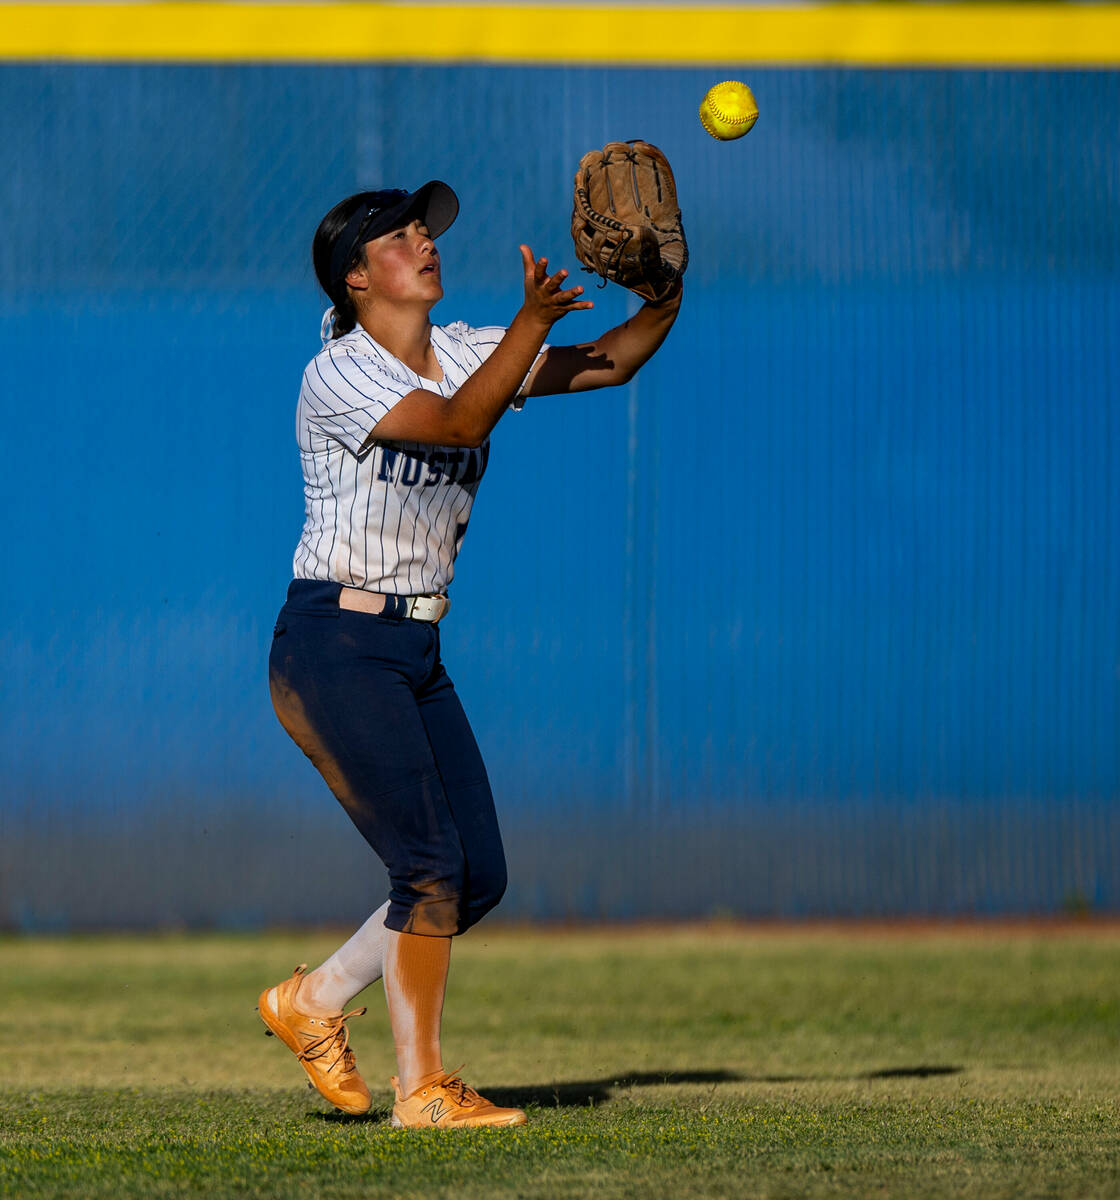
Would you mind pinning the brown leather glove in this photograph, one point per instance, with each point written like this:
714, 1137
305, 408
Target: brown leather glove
626, 225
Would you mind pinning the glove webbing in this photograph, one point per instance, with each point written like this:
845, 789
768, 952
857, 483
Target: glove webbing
618, 226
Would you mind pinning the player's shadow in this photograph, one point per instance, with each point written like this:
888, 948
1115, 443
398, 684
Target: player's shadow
588, 1093
924, 1072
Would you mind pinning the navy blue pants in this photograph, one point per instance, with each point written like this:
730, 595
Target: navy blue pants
366, 698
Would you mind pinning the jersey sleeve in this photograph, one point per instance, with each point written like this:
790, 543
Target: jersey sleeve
479, 343
345, 394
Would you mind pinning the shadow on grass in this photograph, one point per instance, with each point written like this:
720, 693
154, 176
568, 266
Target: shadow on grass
910, 1072
589, 1092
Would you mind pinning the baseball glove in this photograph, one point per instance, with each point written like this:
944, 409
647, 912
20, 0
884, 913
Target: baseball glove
625, 221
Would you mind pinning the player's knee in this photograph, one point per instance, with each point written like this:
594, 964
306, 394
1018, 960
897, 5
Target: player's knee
437, 916
484, 891
431, 905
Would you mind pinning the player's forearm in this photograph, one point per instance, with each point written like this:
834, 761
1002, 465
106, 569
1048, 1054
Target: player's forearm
611, 359
479, 404
628, 346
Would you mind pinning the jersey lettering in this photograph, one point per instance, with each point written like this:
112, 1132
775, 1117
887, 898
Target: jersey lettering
455, 466
388, 464
435, 469
410, 475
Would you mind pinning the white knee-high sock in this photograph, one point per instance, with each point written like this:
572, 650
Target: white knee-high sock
356, 964
415, 980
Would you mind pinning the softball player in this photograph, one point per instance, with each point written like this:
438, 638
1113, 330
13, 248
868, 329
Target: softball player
393, 424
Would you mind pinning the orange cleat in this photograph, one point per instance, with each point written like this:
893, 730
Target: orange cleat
443, 1101
321, 1043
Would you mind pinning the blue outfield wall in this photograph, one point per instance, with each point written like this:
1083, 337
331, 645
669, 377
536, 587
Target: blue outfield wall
817, 616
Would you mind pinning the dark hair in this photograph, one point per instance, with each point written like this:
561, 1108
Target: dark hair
322, 247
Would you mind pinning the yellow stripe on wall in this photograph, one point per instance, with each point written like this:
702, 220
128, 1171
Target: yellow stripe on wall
849, 34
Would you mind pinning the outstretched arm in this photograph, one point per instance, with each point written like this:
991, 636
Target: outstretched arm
467, 417
610, 359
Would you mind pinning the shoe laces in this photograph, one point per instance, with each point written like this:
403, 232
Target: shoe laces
462, 1094
337, 1038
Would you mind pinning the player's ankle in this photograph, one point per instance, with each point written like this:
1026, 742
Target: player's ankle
311, 1000
415, 1075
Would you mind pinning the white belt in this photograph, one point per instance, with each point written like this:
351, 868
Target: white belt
420, 608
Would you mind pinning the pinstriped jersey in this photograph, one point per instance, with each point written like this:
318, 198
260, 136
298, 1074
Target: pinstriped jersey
385, 516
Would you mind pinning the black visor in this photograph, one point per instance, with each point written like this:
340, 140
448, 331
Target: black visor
435, 204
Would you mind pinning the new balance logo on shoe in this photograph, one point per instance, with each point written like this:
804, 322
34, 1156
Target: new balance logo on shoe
437, 1109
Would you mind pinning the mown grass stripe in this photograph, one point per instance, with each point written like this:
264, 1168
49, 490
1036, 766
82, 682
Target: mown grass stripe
1001, 35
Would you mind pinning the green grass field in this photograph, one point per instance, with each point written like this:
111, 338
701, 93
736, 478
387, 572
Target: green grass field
701, 1061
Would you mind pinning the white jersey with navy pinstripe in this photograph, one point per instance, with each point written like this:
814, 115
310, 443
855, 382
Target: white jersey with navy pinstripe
385, 516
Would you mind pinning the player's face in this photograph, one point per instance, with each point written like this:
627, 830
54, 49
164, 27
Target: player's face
403, 265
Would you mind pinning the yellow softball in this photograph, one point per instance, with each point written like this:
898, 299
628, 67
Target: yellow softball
728, 110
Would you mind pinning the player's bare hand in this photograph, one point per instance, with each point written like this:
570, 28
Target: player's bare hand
546, 298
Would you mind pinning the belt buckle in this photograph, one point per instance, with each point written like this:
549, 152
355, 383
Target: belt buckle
429, 608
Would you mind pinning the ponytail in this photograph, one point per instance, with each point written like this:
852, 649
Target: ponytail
322, 248
345, 314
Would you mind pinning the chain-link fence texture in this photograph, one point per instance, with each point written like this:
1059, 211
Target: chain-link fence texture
816, 616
